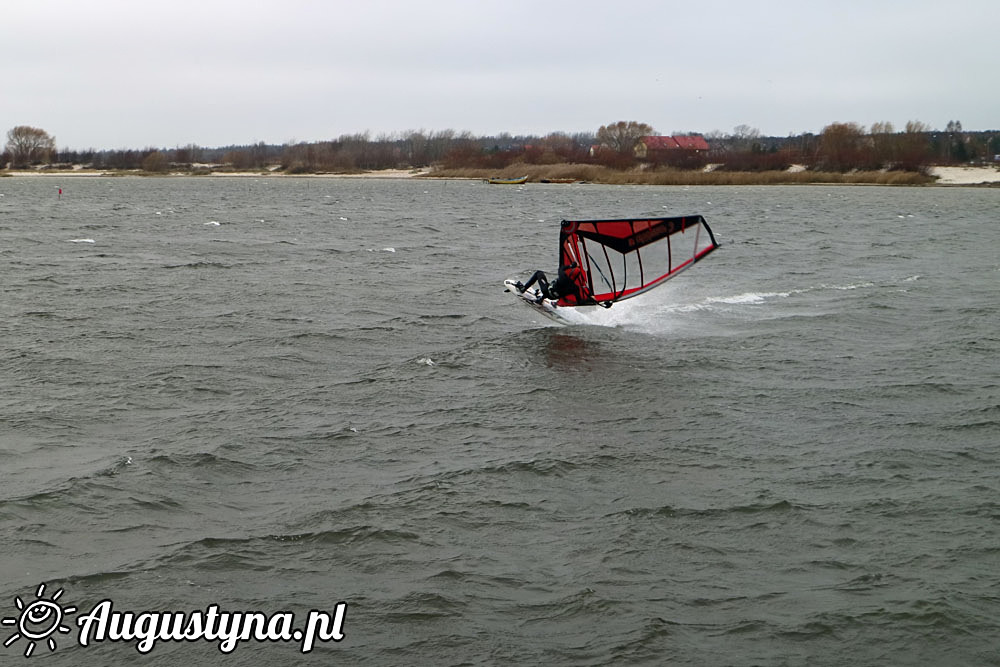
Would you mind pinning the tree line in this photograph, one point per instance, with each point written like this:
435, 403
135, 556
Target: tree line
840, 147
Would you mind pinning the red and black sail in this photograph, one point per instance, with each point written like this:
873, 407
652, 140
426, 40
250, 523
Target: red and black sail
624, 258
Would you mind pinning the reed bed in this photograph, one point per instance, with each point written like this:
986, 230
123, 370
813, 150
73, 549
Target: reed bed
666, 176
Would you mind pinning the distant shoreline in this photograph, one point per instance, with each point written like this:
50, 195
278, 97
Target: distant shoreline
138, 173
945, 175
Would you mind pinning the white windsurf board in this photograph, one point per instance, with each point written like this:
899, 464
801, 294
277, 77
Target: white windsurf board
532, 297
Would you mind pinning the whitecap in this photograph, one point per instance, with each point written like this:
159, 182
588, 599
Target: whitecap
747, 298
426, 361
214, 223
81, 240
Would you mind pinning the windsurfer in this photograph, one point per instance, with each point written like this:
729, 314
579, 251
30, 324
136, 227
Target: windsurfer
602, 262
569, 289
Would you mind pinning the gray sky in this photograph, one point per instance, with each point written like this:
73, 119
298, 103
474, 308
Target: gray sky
166, 73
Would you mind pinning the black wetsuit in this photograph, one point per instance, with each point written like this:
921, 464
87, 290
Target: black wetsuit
540, 278
562, 286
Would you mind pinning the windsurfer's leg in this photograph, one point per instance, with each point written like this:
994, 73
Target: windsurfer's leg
544, 288
539, 277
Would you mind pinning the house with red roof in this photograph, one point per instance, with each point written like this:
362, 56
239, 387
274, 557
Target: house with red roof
664, 149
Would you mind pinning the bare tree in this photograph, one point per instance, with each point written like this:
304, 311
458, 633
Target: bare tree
415, 147
29, 145
885, 144
187, 154
155, 161
914, 147
744, 137
840, 146
622, 136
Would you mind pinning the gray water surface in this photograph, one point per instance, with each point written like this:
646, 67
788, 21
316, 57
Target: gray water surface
787, 455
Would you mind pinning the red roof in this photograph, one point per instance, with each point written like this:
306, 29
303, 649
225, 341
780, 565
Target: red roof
659, 143
694, 142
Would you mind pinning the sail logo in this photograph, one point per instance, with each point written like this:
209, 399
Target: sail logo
42, 620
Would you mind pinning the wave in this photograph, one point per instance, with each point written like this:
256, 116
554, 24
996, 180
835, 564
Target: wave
266, 551
747, 298
199, 460
421, 607
61, 491
198, 265
781, 506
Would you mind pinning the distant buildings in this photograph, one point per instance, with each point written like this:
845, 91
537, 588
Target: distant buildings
665, 149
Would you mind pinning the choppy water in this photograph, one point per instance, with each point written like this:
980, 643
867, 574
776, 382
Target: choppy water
788, 455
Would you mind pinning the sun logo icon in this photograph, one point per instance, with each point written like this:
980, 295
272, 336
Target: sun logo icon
39, 620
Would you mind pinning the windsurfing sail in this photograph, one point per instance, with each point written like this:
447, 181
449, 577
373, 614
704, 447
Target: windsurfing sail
624, 258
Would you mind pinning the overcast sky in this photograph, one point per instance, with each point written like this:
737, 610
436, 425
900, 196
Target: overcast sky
166, 73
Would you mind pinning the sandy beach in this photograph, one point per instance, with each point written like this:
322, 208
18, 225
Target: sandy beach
966, 175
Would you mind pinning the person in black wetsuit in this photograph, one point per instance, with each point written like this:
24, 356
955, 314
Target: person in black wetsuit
570, 286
